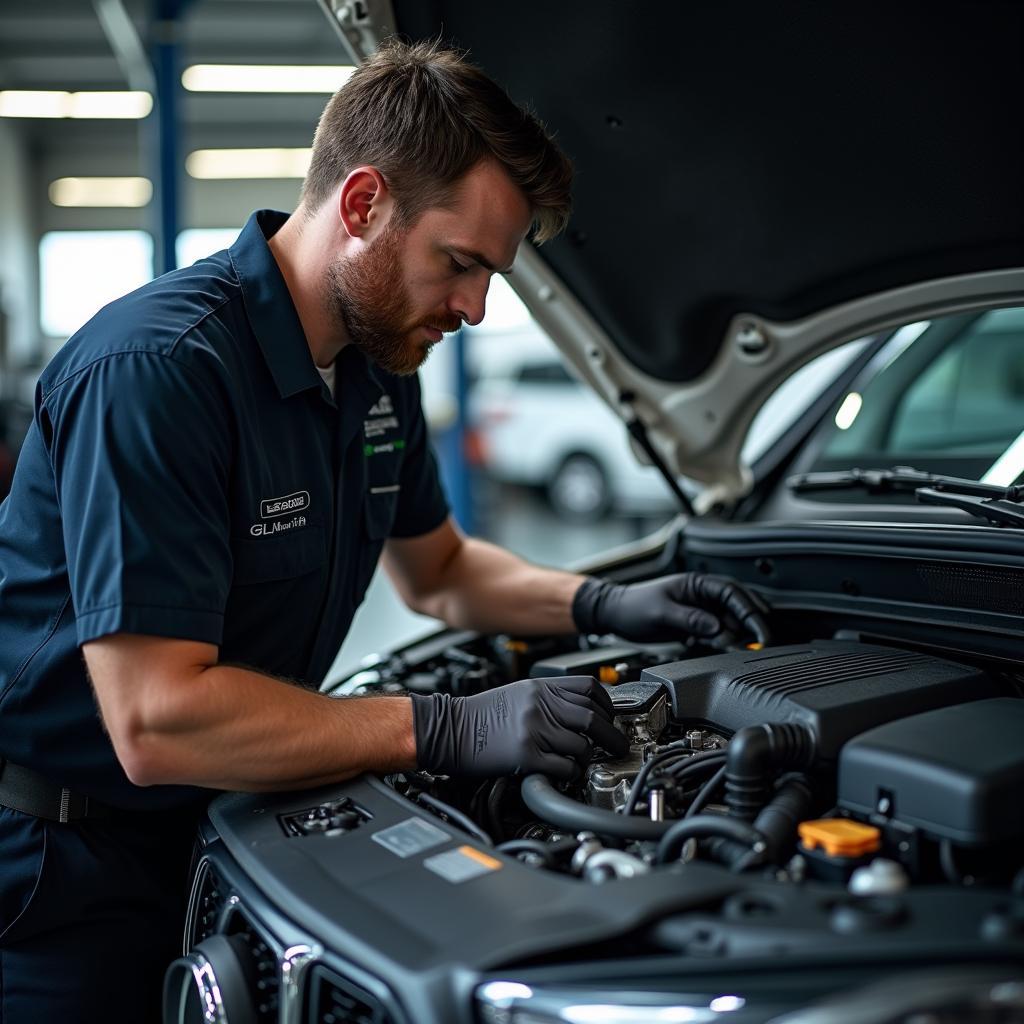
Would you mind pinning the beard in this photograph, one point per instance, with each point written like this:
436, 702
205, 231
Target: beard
367, 294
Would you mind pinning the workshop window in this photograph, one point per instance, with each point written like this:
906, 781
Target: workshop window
194, 244
81, 271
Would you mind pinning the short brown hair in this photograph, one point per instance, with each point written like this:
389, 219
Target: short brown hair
424, 116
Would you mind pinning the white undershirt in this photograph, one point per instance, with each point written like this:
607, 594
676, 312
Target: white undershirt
328, 375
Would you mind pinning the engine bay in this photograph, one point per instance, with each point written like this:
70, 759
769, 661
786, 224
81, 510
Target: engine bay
838, 761
837, 810
787, 823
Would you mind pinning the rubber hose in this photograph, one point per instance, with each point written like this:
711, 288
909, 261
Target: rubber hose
778, 821
755, 755
553, 807
705, 826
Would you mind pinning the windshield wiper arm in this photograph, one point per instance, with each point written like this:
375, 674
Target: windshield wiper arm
1001, 511
900, 479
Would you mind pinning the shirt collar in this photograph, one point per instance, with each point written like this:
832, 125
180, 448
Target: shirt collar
269, 307
275, 322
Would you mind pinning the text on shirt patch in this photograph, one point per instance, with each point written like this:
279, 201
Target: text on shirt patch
276, 509
288, 504
278, 526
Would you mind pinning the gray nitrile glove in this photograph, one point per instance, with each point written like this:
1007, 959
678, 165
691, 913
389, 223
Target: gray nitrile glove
686, 604
534, 725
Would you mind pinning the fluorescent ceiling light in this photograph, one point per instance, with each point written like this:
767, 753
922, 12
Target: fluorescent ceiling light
248, 163
38, 103
131, 192
325, 78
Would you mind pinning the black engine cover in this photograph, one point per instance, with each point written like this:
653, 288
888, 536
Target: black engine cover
956, 773
839, 689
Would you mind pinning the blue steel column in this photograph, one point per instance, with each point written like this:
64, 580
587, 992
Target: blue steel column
462, 484
163, 138
450, 443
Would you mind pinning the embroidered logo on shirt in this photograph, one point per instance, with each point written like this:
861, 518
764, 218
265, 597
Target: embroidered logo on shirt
288, 504
382, 418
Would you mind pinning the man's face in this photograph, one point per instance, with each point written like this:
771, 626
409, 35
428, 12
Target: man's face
411, 285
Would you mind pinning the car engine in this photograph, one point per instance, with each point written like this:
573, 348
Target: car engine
814, 815
839, 761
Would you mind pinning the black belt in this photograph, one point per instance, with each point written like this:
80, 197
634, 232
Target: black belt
25, 790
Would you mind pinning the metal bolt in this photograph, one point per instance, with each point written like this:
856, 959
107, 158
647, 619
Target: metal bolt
657, 805
752, 341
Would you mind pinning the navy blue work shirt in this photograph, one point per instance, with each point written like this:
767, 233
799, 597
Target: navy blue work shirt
187, 474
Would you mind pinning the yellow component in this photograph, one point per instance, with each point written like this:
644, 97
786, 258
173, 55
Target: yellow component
840, 837
517, 646
607, 674
755, 647
481, 858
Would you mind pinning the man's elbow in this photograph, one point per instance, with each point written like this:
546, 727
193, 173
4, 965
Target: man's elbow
146, 737
138, 754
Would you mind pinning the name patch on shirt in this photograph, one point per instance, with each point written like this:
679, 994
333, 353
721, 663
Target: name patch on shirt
289, 504
277, 526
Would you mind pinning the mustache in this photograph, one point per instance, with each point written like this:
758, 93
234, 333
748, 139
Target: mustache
444, 324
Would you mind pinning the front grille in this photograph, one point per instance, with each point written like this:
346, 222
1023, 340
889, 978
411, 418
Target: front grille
209, 897
335, 1000
262, 966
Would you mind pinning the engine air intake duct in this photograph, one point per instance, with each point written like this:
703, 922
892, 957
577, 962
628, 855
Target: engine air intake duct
837, 689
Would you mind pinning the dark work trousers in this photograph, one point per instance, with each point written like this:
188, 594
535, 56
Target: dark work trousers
91, 914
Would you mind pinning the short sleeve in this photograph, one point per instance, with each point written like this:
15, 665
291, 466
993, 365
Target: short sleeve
140, 445
422, 505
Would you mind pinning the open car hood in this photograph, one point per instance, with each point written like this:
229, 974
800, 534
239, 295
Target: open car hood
755, 184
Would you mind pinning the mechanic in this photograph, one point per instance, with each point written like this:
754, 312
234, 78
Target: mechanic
216, 462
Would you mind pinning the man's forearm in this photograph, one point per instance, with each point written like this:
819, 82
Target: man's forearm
232, 728
489, 589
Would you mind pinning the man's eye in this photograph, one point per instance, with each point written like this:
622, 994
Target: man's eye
457, 267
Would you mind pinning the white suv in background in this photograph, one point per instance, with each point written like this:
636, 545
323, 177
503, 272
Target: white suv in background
533, 423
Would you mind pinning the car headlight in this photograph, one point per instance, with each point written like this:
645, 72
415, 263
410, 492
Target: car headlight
511, 1002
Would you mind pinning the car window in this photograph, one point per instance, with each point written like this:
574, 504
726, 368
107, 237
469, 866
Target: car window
945, 396
793, 396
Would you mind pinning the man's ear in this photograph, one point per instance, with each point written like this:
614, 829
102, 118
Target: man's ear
364, 202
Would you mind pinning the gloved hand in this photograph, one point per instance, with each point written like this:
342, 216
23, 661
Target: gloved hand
534, 725
671, 608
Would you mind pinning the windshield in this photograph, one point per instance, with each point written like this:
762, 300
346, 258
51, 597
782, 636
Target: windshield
944, 396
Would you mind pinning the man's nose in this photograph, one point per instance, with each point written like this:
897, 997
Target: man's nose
469, 301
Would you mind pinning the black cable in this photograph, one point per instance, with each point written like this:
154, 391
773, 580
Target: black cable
669, 754
705, 826
686, 771
752, 858
706, 792
551, 806
474, 801
494, 798
456, 817
947, 861
548, 851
